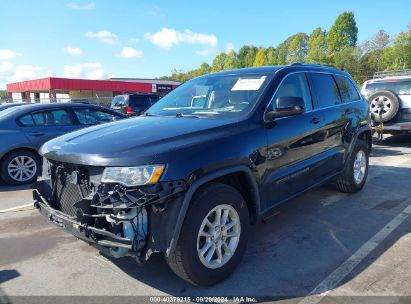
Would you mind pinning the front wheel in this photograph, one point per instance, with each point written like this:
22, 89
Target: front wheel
213, 236
353, 178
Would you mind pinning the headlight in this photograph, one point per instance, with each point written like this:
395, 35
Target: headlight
132, 176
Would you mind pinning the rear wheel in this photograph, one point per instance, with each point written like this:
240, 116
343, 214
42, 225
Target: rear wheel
20, 167
213, 237
353, 178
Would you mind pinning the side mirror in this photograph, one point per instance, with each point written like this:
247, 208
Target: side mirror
287, 106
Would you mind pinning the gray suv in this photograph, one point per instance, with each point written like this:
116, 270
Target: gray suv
389, 97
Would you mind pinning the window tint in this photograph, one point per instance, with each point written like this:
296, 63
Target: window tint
138, 101
92, 117
294, 85
326, 90
347, 89
27, 120
52, 118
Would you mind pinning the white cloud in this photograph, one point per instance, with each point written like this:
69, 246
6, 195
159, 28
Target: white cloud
229, 47
10, 73
8, 54
168, 37
27, 72
5, 67
72, 50
91, 70
103, 36
203, 52
129, 52
77, 6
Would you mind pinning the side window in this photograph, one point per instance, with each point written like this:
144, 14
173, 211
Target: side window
294, 85
92, 117
52, 118
26, 120
326, 90
347, 89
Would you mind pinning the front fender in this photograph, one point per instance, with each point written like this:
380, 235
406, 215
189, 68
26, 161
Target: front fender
200, 182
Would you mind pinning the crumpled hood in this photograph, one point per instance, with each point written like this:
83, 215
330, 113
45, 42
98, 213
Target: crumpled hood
133, 141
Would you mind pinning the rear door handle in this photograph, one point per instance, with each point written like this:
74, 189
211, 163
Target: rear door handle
315, 120
36, 133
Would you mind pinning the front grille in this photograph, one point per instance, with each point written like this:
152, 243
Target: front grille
70, 188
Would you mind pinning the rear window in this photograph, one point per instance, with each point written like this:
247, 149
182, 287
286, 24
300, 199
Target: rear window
119, 101
398, 87
347, 89
138, 100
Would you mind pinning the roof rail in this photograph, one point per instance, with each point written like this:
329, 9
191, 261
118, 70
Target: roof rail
384, 74
312, 64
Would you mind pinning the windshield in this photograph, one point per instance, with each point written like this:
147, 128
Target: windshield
213, 96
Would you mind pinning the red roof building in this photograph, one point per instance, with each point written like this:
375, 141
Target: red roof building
53, 89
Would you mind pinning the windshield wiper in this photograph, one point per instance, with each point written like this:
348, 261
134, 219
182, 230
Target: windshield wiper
186, 115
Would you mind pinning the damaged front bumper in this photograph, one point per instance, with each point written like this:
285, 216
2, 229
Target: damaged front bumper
116, 220
100, 238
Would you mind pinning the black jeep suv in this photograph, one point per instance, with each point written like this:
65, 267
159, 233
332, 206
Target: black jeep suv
188, 179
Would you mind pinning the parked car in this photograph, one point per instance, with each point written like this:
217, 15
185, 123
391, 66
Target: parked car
133, 104
390, 93
25, 129
8, 105
190, 179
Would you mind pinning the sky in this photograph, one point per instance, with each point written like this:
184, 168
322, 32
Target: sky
99, 39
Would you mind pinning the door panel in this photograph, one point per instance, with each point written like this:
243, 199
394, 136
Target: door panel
293, 145
47, 125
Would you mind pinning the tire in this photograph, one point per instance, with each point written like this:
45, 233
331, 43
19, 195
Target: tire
11, 161
185, 261
391, 105
347, 181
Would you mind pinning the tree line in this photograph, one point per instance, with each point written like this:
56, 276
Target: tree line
337, 47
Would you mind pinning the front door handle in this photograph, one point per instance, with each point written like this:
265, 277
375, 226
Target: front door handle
315, 120
37, 134
348, 112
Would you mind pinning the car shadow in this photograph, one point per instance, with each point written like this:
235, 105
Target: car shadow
399, 140
10, 188
308, 238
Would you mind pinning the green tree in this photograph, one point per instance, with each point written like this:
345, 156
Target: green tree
348, 60
218, 62
297, 48
260, 58
250, 56
242, 53
402, 51
343, 33
282, 50
271, 56
204, 69
3, 94
231, 61
317, 47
